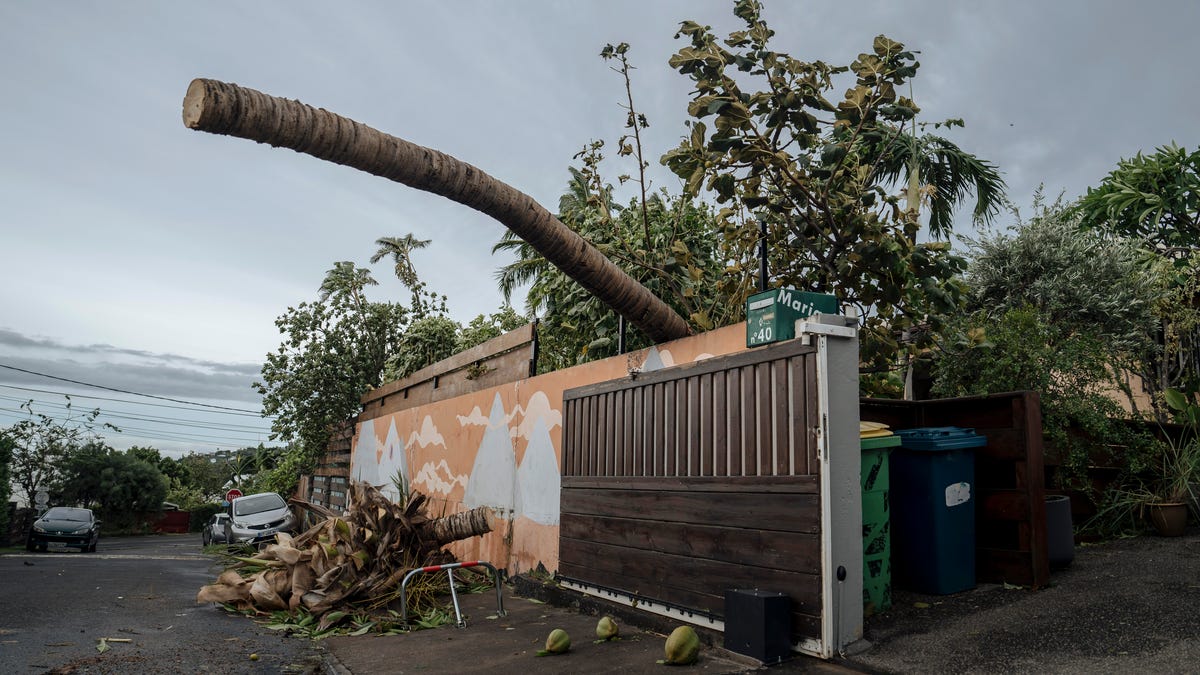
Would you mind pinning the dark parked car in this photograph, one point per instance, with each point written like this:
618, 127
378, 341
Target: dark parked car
65, 525
255, 519
214, 529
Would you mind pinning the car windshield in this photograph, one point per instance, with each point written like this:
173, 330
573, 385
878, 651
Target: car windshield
64, 513
247, 506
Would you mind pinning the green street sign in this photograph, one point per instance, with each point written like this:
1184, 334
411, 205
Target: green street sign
772, 316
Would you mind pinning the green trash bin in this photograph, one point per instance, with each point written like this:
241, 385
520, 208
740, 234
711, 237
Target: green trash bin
933, 509
876, 524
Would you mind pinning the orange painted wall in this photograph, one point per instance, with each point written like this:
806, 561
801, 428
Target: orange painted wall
502, 448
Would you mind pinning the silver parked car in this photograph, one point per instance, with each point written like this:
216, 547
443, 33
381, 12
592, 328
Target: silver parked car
255, 519
214, 530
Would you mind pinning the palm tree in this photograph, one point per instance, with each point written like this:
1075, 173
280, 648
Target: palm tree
399, 249
950, 173
346, 279
223, 108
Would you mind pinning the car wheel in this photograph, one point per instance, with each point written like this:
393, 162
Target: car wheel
92, 548
204, 539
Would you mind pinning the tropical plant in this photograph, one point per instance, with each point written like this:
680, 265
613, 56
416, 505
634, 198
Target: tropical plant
400, 250
1155, 200
1180, 473
1152, 198
823, 176
1171, 477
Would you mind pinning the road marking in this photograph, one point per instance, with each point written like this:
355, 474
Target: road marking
103, 556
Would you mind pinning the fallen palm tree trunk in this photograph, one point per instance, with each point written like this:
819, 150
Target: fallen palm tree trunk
224, 108
355, 559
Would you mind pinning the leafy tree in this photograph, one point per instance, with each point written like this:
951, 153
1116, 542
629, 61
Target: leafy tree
169, 466
206, 474
824, 176
118, 484
41, 441
334, 351
575, 326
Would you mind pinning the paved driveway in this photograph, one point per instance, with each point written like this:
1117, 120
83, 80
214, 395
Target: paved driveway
1126, 606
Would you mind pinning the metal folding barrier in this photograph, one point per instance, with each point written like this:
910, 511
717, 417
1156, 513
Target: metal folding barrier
450, 567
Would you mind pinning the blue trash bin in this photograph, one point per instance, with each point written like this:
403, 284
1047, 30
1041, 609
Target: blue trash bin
933, 509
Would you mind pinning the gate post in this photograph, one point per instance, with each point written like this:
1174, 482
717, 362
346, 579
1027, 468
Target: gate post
836, 339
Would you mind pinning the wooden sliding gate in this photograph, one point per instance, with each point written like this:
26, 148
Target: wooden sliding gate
681, 483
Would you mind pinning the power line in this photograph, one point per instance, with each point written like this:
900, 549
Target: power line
154, 419
122, 400
125, 391
158, 434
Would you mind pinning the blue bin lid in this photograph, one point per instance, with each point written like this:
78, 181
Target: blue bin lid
940, 438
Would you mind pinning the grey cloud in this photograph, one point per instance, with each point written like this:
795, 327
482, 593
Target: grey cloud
134, 370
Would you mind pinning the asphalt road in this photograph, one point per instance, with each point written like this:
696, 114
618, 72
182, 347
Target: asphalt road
56, 606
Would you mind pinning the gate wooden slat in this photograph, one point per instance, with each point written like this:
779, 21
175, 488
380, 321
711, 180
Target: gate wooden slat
749, 425
704, 409
764, 437
780, 394
720, 412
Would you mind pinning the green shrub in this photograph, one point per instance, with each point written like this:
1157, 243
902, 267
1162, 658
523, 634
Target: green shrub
1020, 350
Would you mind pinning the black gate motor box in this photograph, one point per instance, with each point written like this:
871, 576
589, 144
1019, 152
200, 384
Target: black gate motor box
758, 624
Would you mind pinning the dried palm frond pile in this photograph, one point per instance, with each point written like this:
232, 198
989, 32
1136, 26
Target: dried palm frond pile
354, 560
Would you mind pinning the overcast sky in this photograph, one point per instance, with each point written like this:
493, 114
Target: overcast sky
142, 256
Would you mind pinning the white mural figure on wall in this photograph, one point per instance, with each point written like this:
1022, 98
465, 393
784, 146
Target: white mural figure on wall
539, 477
393, 461
364, 462
493, 480
438, 478
654, 361
427, 435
